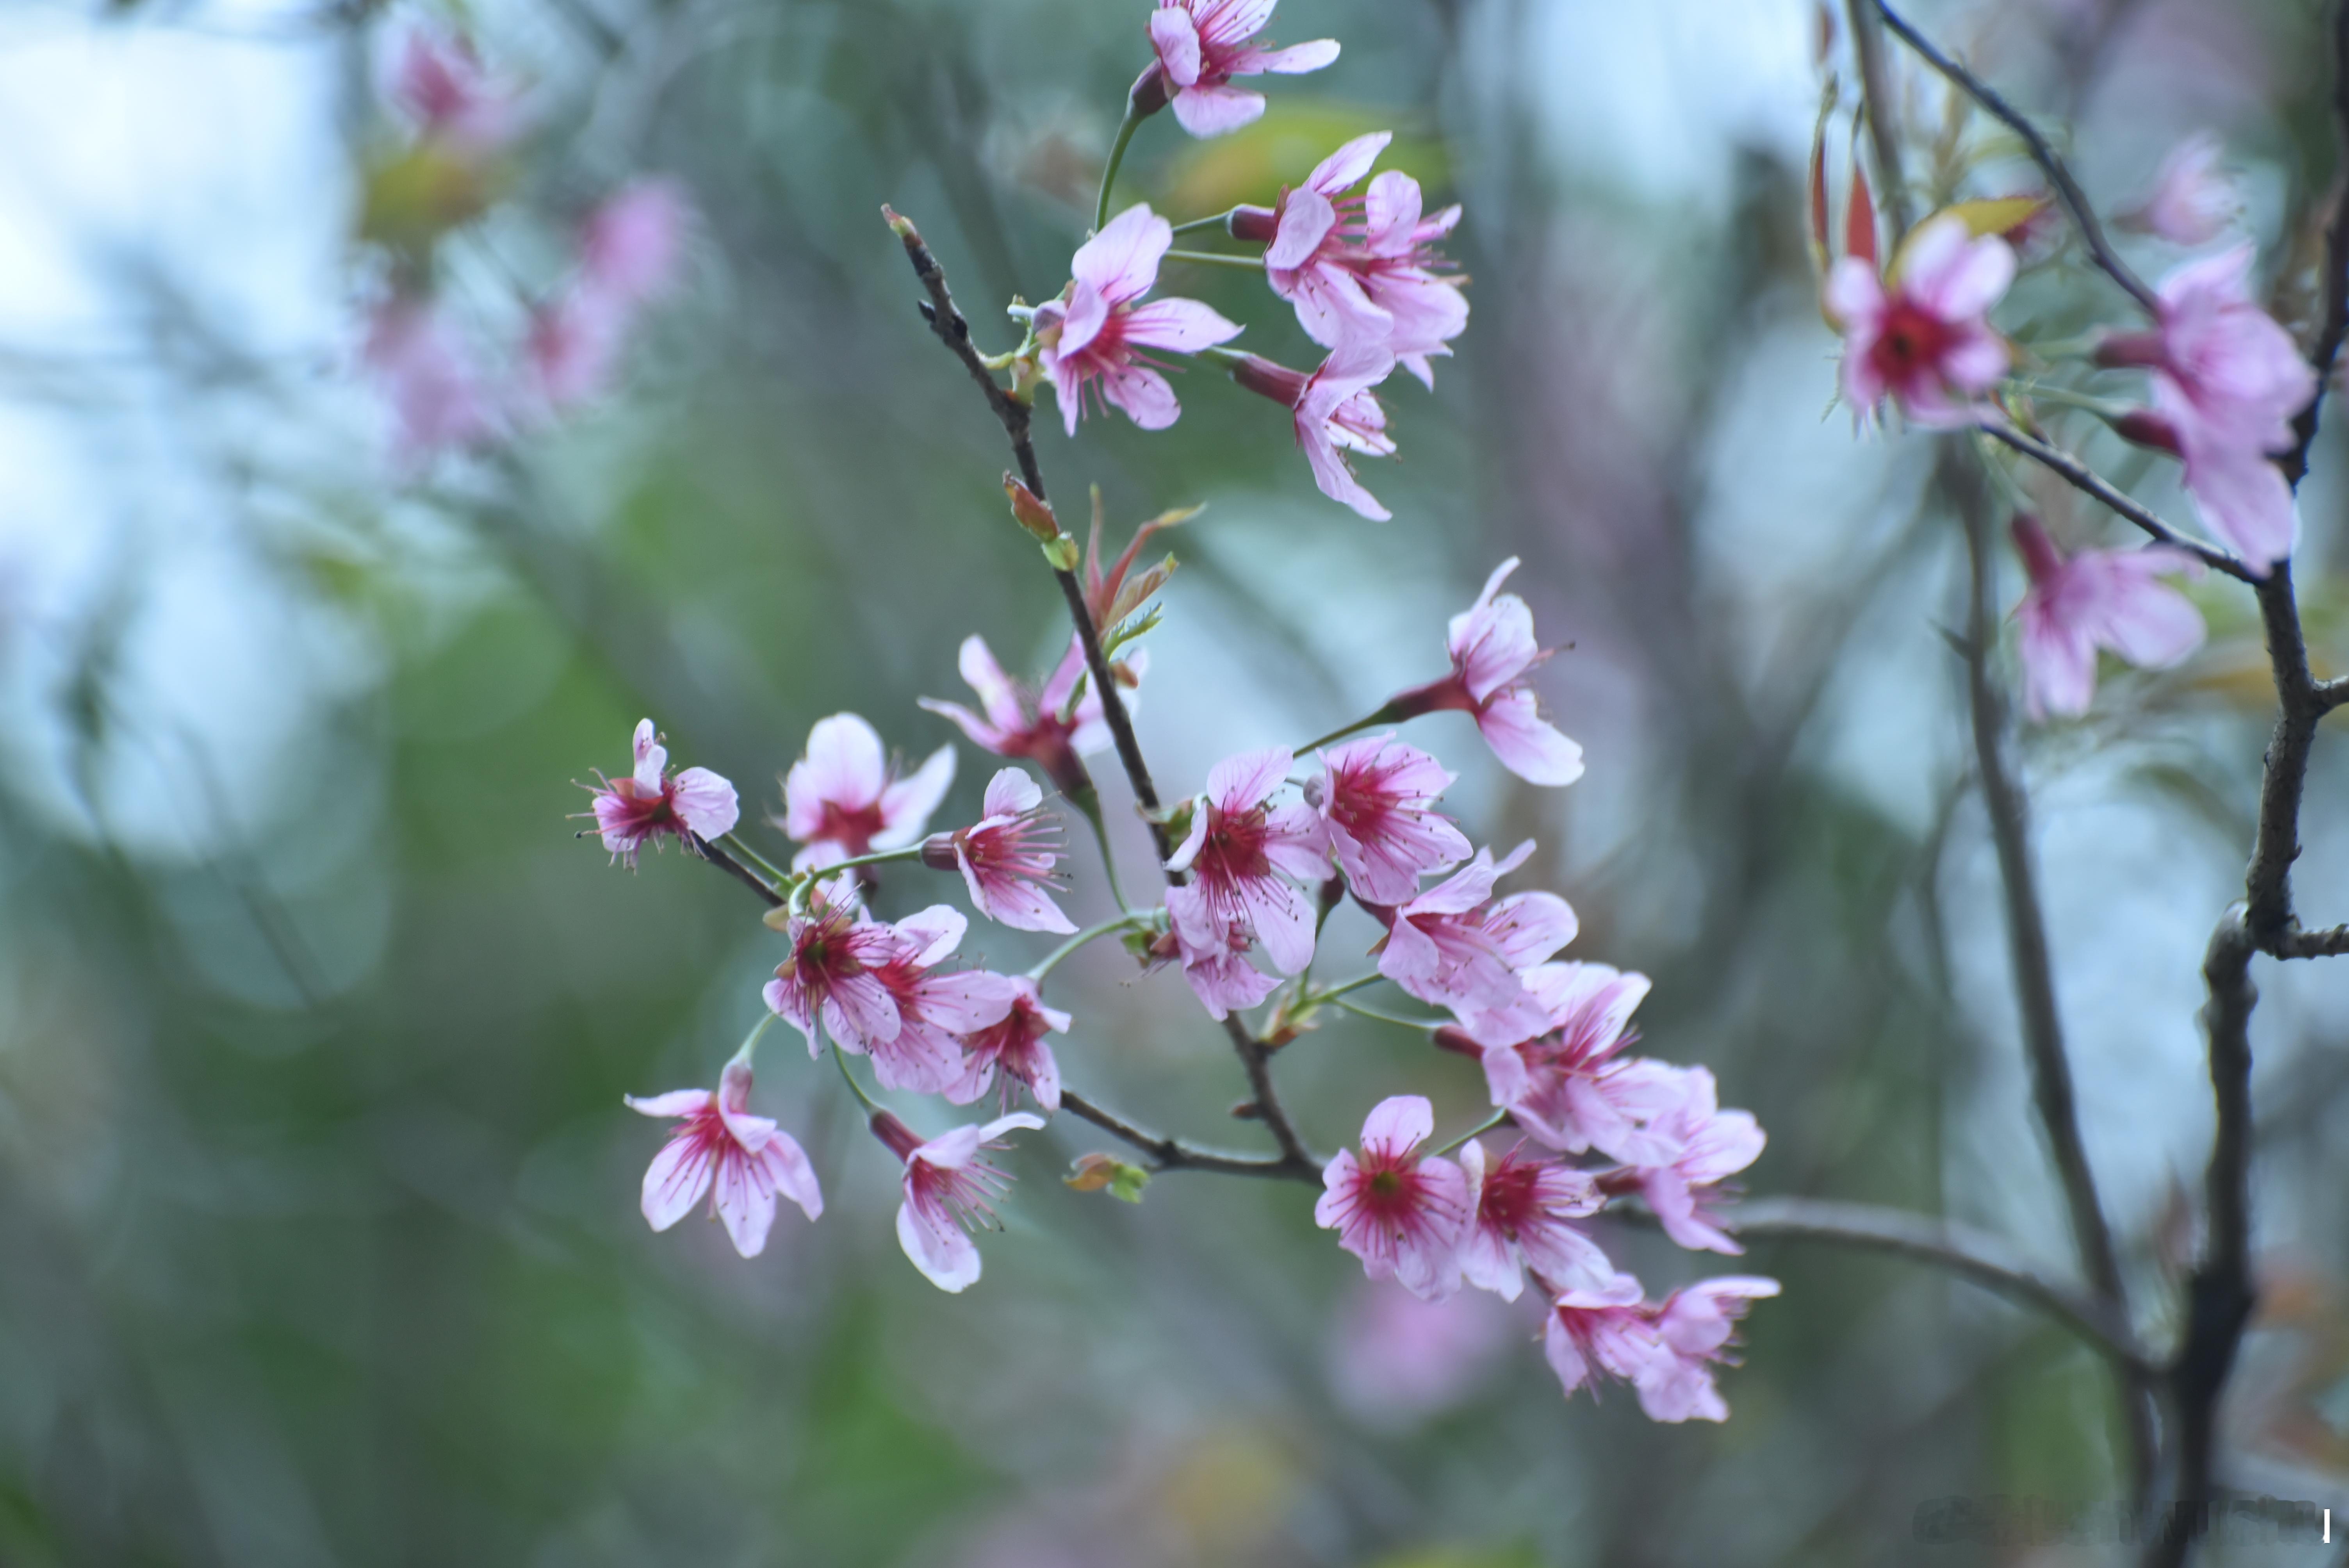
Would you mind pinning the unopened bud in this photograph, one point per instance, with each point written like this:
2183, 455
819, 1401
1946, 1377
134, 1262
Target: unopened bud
2145, 428
1062, 552
1148, 94
938, 853
1262, 377
901, 1138
1033, 512
900, 227
2130, 351
1451, 1037
1258, 224
1099, 1172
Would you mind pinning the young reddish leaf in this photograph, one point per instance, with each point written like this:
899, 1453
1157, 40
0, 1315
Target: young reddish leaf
1859, 219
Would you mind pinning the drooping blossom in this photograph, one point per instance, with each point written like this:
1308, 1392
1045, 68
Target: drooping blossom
949, 1191
1214, 959
1090, 339
628, 253
1921, 336
1042, 728
1237, 848
1013, 1049
1665, 1351
437, 400
1361, 268
1332, 412
1404, 1215
1713, 1145
1493, 651
843, 799
2097, 599
936, 1007
1696, 1327
829, 977
1200, 45
1457, 947
1394, 1361
2227, 381
1522, 1217
742, 1160
1007, 856
1566, 1082
648, 804
1377, 798
2193, 199
440, 83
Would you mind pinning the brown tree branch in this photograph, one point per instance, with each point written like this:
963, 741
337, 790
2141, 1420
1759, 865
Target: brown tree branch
2335, 325
1173, 1154
2086, 480
735, 869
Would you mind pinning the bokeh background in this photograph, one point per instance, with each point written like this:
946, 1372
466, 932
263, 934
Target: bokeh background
318, 1240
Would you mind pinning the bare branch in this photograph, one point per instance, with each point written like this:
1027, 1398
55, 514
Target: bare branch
2089, 483
2335, 324
735, 869
1173, 1154
1883, 132
2299, 943
2067, 190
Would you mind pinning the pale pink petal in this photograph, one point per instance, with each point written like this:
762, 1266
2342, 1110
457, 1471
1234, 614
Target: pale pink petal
707, 802
936, 1246
1216, 111
1968, 281
906, 805
745, 1200
1335, 479
1530, 926
1854, 294
844, 765
790, 1172
1228, 983
675, 1103
1348, 165
1243, 782
2151, 625
1282, 920
1010, 793
984, 675
1181, 326
1400, 1122
633, 241
1121, 261
1176, 40
1306, 219
1529, 745
675, 1181
1297, 59
1143, 394
652, 757
969, 1000
933, 933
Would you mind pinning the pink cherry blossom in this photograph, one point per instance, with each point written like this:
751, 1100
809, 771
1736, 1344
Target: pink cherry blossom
2227, 382
1567, 1084
1402, 1214
1921, 337
1523, 1213
438, 401
1201, 45
650, 805
1007, 857
2193, 199
1493, 651
1376, 797
1395, 1360
628, 253
1239, 845
1092, 337
1362, 268
1457, 947
1713, 1145
1216, 965
1332, 412
1600, 1329
742, 1160
829, 977
2097, 599
439, 82
1042, 728
949, 1191
934, 1008
1695, 1328
843, 799
1013, 1049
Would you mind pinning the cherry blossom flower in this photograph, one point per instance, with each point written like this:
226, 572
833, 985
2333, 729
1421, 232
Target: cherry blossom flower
628, 253
1042, 728
438, 401
829, 976
1402, 1214
1456, 947
950, 1192
648, 804
1523, 1212
742, 1160
843, 799
439, 82
1921, 338
2227, 381
1696, 1327
2099, 598
1216, 964
1013, 1049
2193, 199
1395, 1360
1201, 45
1007, 857
1567, 1085
934, 1008
1597, 1329
1361, 268
1332, 412
1493, 650
1239, 845
1713, 1145
1376, 797
1092, 337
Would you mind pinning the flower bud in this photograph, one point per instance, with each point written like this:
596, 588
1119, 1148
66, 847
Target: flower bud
2145, 428
901, 1138
1148, 94
900, 227
1062, 552
1257, 224
938, 853
2130, 351
1262, 377
1451, 1037
1033, 512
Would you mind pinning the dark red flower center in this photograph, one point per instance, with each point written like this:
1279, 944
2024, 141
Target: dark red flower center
854, 827
1912, 339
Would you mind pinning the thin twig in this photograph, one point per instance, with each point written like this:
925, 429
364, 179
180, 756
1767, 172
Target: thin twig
740, 872
2299, 943
2035, 973
2334, 325
2088, 481
1883, 128
1173, 1154
1963, 1249
2067, 190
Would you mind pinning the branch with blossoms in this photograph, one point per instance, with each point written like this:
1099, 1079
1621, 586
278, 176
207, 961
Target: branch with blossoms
2233, 399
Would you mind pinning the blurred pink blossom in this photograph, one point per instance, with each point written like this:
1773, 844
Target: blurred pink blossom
1455, 946
2193, 197
1013, 1049
648, 804
1376, 797
1091, 338
843, 799
437, 400
1395, 1360
742, 1160
1402, 1214
628, 253
948, 1191
1332, 412
1014, 724
1713, 1145
1666, 1352
1239, 845
1921, 336
1493, 650
1523, 1212
1201, 45
438, 81
2099, 598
